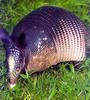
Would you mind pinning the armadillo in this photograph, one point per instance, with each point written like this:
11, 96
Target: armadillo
45, 37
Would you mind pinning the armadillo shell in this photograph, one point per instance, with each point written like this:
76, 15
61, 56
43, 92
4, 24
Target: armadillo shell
87, 42
50, 35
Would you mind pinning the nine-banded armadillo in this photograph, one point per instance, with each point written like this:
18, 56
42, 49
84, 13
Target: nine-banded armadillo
44, 37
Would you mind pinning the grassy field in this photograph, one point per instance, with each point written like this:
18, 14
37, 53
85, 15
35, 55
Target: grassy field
61, 84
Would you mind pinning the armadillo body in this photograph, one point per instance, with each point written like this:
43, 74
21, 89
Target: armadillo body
50, 35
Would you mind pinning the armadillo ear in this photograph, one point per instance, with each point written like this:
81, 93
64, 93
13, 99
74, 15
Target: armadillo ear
4, 36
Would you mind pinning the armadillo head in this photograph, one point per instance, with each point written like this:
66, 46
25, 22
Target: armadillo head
15, 63
14, 58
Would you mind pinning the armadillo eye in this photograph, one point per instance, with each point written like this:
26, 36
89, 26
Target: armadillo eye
18, 69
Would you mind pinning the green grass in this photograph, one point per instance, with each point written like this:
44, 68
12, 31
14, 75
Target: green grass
62, 84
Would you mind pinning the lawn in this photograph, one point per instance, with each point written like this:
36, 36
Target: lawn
61, 84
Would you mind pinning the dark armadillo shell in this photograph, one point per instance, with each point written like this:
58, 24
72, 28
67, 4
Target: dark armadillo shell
87, 42
50, 35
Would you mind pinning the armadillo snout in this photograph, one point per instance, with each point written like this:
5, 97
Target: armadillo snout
12, 83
